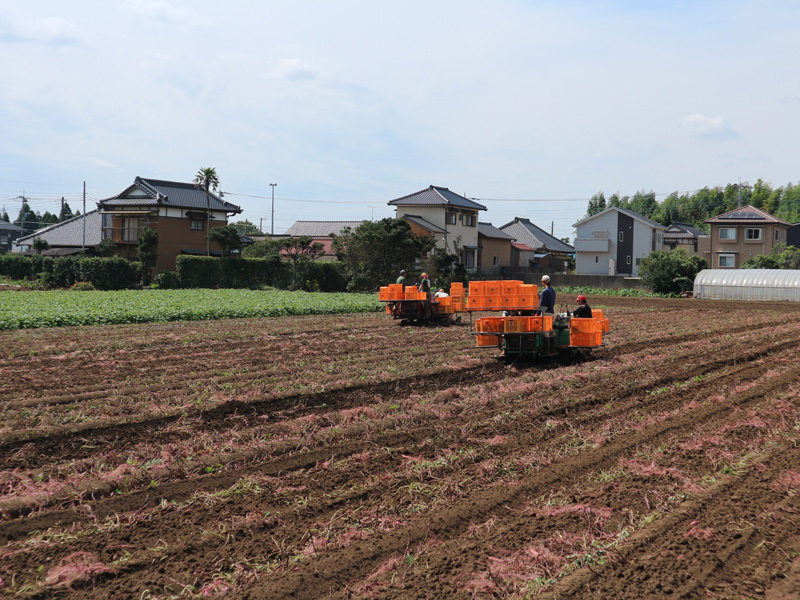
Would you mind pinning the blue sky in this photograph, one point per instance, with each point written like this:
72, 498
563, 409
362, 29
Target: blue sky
530, 107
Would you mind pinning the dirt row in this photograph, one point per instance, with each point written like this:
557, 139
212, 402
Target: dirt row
662, 465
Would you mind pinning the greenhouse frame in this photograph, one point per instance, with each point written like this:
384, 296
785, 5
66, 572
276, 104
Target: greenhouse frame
748, 284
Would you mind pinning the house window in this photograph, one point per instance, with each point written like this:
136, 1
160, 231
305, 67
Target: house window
469, 220
777, 234
496, 261
628, 259
196, 225
597, 259
727, 261
469, 259
752, 234
130, 229
620, 235
4, 239
727, 233
451, 218
638, 261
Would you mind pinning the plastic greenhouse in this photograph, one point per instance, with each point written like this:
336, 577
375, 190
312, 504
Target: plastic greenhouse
748, 284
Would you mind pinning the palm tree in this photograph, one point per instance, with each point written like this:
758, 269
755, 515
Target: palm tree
207, 179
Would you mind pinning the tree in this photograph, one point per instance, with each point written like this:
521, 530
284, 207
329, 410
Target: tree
597, 204
207, 179
227, 237
39, 244
761, 261
5, 216
301, 251
670, 272
146, 249
65, 212
246, 228
263, 249
789, 258
27, 219
105, 248
447, 268
375, 251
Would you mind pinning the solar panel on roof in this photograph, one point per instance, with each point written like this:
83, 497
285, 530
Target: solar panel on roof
743, 215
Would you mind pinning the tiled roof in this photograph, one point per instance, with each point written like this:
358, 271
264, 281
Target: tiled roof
524, 231
155, 192
69, 233
9, 226
320, 228
424, 223
489, 230
624, 211
746, 214
683, 231
436, 196
523, 247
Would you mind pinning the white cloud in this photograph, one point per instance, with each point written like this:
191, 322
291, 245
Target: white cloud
160, 10
708, 127
104, 164
293, 69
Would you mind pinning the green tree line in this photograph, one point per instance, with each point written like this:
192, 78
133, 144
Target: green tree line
695, 207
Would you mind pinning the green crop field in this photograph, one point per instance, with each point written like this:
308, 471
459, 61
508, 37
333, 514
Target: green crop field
24, 310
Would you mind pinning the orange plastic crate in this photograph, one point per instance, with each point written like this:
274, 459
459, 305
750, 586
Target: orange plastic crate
510, 288
493, 288
515, 324
508, 301
585, 339
445, 301
524, 301
491, 303
487, 340
489, 324
383, 294
540, 323
585, 326
528, 289
475, 302
396, 288
477, 288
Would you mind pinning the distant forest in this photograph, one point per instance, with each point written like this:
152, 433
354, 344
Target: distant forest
694, 208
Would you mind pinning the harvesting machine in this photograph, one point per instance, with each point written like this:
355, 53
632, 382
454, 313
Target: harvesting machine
521, 330
412, 307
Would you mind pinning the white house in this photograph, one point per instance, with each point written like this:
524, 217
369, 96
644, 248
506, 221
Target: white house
614, 241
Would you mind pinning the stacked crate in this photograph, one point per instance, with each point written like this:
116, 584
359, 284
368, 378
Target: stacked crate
391, 292
502, 295
597, 314
486, 325
585, 332
458, 296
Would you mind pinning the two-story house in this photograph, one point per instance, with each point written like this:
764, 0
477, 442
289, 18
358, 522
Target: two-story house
9, 234
614, 241
743, 233
550, 253
682, 236
182, 214
454, 217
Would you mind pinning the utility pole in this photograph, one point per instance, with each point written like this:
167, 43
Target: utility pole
83, 220
272, 219
261, 225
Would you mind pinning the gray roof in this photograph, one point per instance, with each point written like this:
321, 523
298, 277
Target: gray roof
527, 233
320, 228
436, 196
683, 230
424, 223
624, 211
69, 233
747, 214
9, 226
489, 230
167, 193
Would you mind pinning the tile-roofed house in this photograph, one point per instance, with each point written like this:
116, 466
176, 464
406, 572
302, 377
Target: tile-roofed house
742, 233
455, 216
9, 234
495, 246
320, 229
72, 236
614, 241
552, 254
687, 237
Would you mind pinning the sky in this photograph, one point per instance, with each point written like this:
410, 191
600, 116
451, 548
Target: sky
530, 107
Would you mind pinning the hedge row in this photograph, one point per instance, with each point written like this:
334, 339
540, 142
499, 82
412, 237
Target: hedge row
114, 273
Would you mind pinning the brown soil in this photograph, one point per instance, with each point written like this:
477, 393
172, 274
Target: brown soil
349, 457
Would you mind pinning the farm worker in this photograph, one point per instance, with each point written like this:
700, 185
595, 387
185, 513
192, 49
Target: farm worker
440, 293
425, 285
402, 279
547, 301
583, 311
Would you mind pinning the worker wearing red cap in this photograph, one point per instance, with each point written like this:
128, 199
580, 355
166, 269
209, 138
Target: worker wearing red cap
583, 311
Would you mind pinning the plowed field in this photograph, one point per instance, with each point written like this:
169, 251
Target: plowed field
349, 457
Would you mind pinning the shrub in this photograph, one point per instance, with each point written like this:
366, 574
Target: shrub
82, 286
167, 280
670, 272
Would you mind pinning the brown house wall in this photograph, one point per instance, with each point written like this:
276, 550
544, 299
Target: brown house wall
491, 247
742, 248
174, 235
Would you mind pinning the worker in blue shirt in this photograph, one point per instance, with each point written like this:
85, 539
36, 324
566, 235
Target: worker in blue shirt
547, 300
